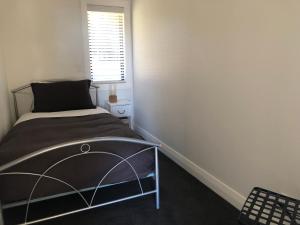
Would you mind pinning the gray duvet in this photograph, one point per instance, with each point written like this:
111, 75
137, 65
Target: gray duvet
82, 172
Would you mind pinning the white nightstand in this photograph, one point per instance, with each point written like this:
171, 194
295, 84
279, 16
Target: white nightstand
121, 109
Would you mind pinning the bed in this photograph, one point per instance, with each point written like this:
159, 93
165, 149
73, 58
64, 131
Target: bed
47, 155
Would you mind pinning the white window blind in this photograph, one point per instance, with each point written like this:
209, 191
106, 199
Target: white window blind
106, 43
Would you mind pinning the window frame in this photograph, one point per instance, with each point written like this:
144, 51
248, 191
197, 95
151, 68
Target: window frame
126, 4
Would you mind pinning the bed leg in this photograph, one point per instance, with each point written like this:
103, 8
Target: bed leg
157, 179
1, 215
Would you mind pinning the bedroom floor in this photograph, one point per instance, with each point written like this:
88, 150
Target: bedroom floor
184, 200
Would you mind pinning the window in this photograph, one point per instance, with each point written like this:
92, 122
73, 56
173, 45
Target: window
106, 39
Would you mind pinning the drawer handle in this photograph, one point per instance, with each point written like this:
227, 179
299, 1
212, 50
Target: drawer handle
122, 111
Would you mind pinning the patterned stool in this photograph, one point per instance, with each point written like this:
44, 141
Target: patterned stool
264, 207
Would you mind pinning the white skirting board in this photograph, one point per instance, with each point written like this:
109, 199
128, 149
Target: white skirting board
222, 189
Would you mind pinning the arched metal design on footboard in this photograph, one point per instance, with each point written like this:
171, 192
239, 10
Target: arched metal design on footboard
84, 149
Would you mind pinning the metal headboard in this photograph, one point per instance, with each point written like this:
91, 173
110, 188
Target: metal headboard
19, 89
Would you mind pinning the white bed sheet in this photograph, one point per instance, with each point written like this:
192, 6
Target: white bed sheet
71, 113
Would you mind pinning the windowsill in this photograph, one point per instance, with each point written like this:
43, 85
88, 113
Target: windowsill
110, 82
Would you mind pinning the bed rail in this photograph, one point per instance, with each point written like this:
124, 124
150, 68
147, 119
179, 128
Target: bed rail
84, 148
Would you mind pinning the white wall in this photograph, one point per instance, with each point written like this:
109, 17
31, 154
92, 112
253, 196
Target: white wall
218, 81
5, 119
43, 39
4, 105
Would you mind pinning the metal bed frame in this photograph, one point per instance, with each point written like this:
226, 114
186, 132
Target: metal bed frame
84, 148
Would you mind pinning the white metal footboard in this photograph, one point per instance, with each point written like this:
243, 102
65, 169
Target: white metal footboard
83, 150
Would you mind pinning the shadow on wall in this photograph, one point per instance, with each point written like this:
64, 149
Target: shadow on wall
5, 119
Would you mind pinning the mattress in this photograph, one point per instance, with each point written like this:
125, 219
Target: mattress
33, 132
70, 113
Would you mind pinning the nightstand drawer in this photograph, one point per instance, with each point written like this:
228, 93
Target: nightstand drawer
121, 110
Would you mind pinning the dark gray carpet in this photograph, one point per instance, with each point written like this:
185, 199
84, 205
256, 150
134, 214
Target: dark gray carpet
184, 201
